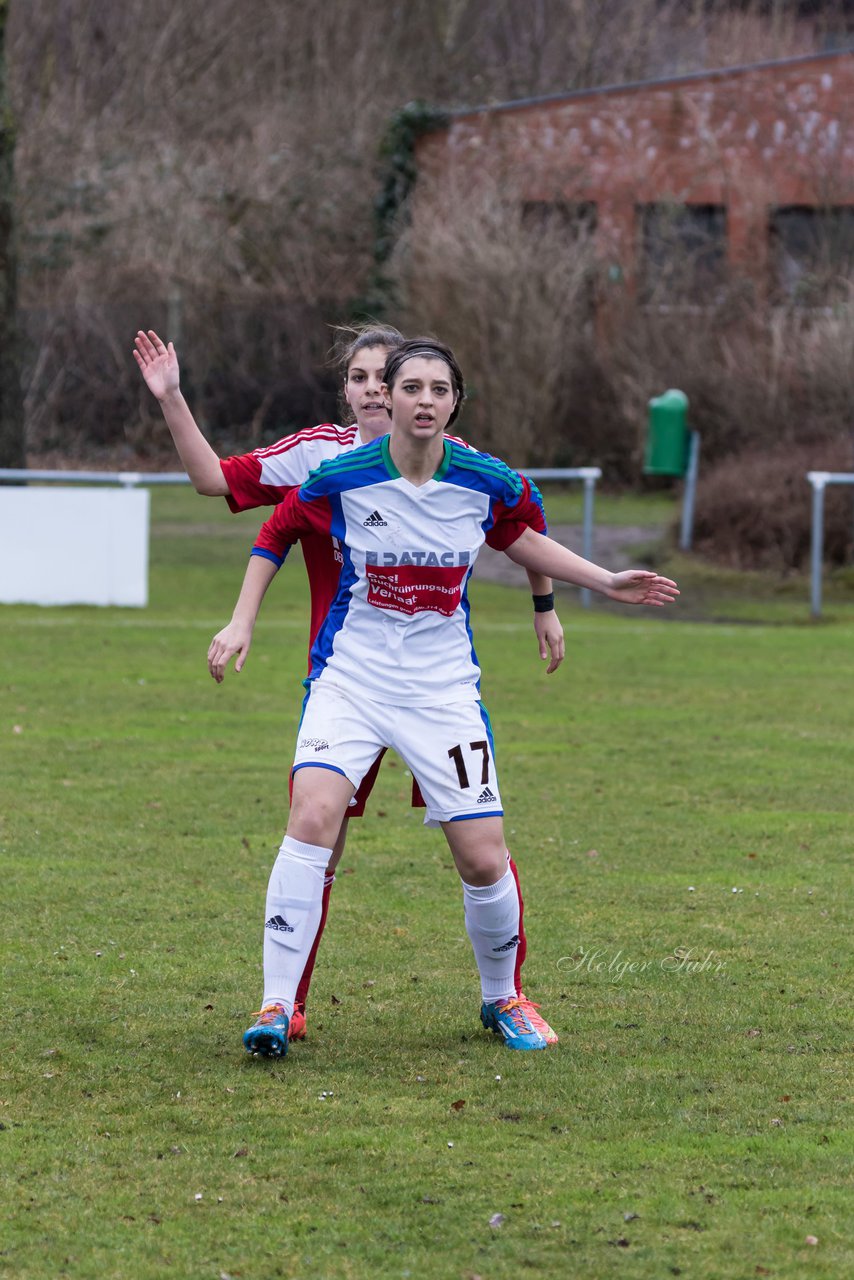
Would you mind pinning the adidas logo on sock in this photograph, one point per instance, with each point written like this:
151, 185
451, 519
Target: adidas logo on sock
486, 797
508, 946
280, 924
374, 521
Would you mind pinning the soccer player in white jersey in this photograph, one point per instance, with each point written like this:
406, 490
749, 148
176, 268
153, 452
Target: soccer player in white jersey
394, 666
262, 477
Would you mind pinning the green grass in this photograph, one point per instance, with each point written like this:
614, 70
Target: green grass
692, 1120
565, 505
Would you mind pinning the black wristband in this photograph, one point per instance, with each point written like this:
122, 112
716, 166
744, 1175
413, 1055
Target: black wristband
544, 604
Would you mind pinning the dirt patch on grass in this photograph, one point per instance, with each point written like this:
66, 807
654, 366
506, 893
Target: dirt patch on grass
614, 546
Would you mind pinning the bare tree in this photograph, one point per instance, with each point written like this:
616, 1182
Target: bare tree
11, 405
214, 166
511, 287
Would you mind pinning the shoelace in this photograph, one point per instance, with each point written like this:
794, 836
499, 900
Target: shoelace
520, 1019
537, 1021
270, 1013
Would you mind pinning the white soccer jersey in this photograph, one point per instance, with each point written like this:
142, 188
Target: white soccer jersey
260, 478
398, 629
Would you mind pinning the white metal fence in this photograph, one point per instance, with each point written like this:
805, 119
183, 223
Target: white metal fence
135, 479
819, 481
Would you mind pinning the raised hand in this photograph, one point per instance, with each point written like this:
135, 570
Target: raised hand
641, 586
158, 364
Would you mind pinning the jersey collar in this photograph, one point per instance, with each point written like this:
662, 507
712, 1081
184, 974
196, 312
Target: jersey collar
440, 472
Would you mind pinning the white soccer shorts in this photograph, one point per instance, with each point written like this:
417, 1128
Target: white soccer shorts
449, 749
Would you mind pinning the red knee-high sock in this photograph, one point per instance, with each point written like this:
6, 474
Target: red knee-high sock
305, 980
523, 941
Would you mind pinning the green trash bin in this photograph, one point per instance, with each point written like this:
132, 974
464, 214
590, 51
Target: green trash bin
667, 439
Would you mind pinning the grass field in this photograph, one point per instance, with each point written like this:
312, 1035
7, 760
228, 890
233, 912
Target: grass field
679, 801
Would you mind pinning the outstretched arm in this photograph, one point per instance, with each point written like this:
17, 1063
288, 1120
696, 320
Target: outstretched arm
158, 365
236, 638
547, 625
633, 586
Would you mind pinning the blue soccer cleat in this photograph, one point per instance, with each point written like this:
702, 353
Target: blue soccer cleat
268, 1035
512, 1021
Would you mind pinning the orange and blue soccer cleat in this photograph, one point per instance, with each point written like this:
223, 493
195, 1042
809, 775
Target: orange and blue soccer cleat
268, 1036
296, 1030
512, 1022
537, 1021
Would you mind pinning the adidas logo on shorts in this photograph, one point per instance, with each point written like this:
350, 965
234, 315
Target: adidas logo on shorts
374, 521
486, 797
280, 924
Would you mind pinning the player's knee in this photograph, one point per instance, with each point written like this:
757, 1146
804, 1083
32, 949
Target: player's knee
318, 807
313, 826
482, 864
480, 874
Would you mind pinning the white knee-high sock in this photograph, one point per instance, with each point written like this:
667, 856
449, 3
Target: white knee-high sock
492, 924
294, 903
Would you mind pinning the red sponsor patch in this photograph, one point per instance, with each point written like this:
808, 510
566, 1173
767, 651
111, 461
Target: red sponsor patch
410, 589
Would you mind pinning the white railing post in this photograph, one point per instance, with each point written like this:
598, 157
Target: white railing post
686, 534
819, 481
589, 476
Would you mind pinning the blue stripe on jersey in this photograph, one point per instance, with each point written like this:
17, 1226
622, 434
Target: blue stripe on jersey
270, 555
465, 605
351, 470
325, 638
485, 474
538, 498
480, 471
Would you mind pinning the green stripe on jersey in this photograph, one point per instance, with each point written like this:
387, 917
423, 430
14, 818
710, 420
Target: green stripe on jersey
438, 474
345, 462
488, 466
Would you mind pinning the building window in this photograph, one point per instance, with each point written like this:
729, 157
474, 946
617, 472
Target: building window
682, 253
811, 254
573, 218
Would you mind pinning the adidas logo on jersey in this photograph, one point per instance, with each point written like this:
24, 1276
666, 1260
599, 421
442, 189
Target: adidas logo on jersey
508, 946
280, 924
486, 797
374, 521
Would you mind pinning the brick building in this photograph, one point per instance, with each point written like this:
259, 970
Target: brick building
750, 168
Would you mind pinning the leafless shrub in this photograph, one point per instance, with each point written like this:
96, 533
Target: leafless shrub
512, 291
753, 509
216, 163
753, 378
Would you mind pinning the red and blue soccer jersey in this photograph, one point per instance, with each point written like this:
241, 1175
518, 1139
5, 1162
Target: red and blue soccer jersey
398, 629
263, 477
260, 478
